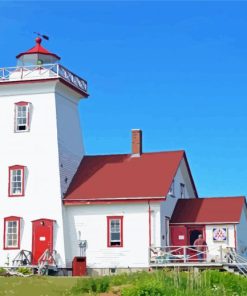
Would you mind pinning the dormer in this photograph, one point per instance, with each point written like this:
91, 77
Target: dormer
37, 55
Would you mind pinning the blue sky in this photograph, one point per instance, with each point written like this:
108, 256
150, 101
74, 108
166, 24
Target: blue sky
177, 70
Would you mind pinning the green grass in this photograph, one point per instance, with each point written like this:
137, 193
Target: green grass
36, 286
167, 283
161, 283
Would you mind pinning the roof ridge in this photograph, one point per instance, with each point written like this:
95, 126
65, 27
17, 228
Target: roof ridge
121, 154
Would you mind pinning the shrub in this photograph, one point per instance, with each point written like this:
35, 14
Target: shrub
96, 285
24, 270
150, 288
2, 271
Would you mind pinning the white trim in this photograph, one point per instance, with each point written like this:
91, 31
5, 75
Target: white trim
203, 223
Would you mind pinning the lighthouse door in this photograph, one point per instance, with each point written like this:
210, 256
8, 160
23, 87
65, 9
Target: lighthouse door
42, 238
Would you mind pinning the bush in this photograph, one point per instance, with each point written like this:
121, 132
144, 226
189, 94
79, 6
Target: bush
24, 270
2, 271
96, 285
150, 288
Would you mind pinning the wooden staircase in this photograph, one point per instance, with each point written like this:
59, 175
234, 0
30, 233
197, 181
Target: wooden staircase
236, 264
47, 262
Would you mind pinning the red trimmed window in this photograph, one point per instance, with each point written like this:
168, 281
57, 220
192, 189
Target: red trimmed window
11, 233
22, 117
115, 231
16, 180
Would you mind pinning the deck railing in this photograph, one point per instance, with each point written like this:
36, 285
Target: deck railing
188, 254
35, 72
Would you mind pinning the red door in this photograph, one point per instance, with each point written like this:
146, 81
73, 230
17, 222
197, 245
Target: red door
178, 235
42, 238
178, 241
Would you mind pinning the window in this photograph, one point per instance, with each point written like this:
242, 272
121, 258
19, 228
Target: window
16, 180
22, 117
115, 231
12, 232
182, 190
171, 190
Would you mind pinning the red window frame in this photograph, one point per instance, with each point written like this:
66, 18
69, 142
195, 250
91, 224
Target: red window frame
11, 219
15, 168
20, 104
109, 219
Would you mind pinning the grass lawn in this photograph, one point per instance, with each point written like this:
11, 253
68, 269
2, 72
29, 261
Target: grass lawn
36, 286
159, 283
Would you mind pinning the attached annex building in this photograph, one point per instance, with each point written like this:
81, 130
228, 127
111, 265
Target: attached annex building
53, 197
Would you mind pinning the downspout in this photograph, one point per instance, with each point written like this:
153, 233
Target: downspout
149, 224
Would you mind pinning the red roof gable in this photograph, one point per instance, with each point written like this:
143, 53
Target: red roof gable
38, 48
208, 210
124, 177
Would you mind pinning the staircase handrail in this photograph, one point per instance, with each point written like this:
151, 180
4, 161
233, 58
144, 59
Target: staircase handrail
21, 256
238, 261
47, 257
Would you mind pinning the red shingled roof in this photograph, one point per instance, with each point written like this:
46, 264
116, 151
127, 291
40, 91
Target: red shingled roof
39, 49
208, 210
124, 177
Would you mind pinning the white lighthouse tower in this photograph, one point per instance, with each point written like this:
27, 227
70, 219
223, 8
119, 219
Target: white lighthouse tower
41, 148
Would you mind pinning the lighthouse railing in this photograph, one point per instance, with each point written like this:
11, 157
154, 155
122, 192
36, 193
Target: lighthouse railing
45, 71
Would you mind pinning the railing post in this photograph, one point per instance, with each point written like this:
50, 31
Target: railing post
184, 254
221, 254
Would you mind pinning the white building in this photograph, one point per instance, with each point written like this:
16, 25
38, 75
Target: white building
55, 198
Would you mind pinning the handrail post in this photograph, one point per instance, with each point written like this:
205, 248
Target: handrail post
184, 254
221, 254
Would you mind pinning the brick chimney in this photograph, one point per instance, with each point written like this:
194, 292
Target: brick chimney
136, 142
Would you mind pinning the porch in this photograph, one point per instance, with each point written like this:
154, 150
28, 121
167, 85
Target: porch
190, 256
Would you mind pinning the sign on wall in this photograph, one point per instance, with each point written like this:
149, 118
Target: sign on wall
220, 234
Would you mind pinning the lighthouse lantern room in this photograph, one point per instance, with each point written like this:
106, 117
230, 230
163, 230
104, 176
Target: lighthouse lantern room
37, 55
